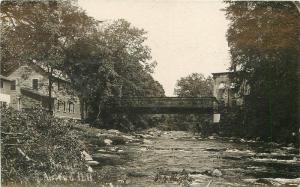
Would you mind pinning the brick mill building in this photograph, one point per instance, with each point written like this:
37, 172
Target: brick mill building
223, 89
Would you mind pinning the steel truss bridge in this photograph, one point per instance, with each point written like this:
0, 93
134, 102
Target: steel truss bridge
163, 105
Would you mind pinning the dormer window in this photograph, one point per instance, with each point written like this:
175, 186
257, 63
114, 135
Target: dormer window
35, 84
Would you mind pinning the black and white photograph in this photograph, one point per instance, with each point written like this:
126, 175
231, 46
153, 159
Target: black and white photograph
149, 93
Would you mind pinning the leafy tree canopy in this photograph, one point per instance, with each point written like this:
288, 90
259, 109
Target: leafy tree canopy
41, 31
114, 61
102, 60
194, 85
264, 41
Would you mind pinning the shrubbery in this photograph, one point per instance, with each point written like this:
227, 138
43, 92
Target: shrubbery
36, 146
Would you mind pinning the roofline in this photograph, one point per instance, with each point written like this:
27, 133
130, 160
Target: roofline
38, 68
11, 69
4, 78
35, 92
222, 73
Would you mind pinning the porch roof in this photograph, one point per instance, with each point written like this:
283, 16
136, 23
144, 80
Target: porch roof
35, 94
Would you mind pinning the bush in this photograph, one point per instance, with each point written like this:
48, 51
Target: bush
36, 146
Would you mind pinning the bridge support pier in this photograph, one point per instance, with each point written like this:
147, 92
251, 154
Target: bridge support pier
216, 118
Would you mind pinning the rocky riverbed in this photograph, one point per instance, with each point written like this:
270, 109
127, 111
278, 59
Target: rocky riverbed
178, 158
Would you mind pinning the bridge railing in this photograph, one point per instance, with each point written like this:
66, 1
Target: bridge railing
196, 102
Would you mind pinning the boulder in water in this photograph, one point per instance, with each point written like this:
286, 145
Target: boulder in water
108, 141
145, 141
216, 173
211, 137
86, 156
103, 156
92, 162
113, 131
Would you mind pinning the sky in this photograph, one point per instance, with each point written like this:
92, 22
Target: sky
185, 36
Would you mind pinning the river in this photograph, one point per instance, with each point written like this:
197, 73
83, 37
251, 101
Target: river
178, 158
156, 158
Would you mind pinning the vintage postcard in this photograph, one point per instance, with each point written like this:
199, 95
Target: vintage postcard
149, 93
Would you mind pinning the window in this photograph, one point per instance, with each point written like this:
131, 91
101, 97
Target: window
35, 84
64, 103
58, 102
60, 85
232, 85
1, 81
3, 104
220, 94
221, 86
13, 85
19, 103
71, 107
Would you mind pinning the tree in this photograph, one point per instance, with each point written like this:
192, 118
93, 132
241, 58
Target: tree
111, 63
40, 32
264, 44
194, 85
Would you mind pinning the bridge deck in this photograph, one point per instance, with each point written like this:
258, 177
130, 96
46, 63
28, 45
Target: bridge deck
164, 105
